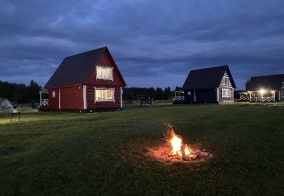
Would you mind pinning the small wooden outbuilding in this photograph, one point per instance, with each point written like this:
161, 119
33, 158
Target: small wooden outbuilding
86, 82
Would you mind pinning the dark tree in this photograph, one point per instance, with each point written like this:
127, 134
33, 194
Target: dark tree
167, 93
178, 88
151, 93
159, 94
34, 89
135, 93
20, 93
247, 83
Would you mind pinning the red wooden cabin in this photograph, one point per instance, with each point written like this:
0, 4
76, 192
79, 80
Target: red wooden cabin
86, 82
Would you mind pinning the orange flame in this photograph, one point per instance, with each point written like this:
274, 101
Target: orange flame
178, 148
176, 143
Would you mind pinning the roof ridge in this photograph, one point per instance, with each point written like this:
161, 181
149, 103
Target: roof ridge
105, 47
210, 68
268, 75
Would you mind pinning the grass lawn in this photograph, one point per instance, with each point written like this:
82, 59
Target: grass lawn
105, 153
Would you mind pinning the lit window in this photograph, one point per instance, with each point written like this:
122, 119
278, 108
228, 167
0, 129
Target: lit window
226, 81
226, 93
53, 94
104, 94
104, 73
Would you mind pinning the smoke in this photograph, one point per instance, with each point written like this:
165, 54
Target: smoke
6, 104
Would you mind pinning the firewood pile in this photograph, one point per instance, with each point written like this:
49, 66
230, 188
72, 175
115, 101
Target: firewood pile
164, 153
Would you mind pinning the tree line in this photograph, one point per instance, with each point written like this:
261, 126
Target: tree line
136, 93
20, 93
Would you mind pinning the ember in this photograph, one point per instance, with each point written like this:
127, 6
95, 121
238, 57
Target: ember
176, 150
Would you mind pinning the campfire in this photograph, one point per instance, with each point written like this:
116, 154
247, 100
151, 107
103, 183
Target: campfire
175, 149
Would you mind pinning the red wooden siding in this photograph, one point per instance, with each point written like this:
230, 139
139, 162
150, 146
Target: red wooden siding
105, 60
99, 105
71, 97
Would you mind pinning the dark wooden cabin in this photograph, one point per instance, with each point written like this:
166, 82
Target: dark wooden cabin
264, 88
209, 85
86, 82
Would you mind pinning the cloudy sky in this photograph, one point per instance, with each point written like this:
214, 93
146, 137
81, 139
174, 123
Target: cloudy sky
155, 43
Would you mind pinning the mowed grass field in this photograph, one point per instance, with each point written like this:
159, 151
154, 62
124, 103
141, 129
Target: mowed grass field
49, 153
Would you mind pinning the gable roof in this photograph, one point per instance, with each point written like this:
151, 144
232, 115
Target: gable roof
272, 82
207, 78
75, 69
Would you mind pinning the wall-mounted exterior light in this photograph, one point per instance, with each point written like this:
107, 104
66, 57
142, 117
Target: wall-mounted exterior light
262, 91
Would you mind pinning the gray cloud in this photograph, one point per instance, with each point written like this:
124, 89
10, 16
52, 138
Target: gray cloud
155, 43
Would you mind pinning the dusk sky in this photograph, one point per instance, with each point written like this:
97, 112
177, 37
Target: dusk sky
155, 43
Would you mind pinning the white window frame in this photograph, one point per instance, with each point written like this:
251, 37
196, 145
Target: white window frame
104, 73
226, 93
226, 81
53, 94
104, 91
